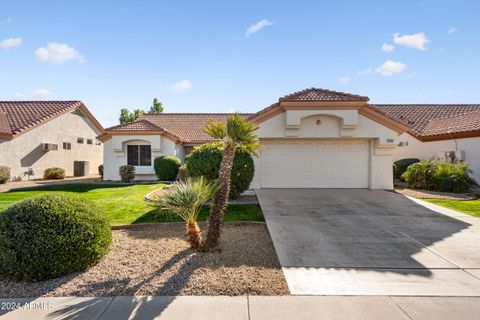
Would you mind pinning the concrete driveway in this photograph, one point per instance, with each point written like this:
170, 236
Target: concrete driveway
370, 242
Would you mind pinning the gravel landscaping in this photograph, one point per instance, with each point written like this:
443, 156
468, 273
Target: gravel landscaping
427, 194
156, 260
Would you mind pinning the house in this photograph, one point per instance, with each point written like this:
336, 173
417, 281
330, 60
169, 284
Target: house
38, 135
446, 131
314, 138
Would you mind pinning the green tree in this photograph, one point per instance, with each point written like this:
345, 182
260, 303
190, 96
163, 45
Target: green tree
236, 133
126, 116
157, 106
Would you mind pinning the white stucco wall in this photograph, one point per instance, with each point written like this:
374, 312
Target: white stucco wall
427, 150
115, 154
341, 125
25, 151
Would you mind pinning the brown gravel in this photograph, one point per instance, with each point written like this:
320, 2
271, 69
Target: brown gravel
427, 194
157, 261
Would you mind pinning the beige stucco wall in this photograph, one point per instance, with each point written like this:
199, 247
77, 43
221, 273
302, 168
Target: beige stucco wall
428, 150
25, 151
115, 155
341, 124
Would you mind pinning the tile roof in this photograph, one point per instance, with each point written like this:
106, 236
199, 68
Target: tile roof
18, 116
426, 120
319, 94
187, 127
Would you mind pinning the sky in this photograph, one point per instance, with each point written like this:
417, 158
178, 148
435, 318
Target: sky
225, 56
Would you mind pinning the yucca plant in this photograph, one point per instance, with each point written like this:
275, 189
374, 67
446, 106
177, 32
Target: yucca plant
237, 132
185, 199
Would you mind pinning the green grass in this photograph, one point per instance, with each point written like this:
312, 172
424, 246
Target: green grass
471, 207
124, 203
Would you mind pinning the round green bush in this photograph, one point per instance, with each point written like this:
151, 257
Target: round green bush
400, 166
4, 174
54, 173
205, 161
49, 236
166, 167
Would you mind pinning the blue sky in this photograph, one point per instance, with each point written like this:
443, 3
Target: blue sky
198, 56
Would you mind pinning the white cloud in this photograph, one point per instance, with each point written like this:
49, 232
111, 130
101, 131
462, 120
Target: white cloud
19, 96
42, 94
10, 43
452, 30
411, 75
365, 71
388, 47
254, 28
389, 68
58, 53
417, 40
344, 80
180, 86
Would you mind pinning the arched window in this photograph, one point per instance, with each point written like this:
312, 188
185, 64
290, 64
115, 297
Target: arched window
139, 155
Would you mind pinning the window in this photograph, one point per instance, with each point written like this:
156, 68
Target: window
79, 140
89, 141
139, 155
67, 146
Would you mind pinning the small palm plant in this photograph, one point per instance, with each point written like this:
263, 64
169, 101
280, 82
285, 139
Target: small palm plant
236, 133
185, 199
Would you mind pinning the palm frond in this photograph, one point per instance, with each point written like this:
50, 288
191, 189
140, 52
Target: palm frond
241, 133
216, 129
186, 198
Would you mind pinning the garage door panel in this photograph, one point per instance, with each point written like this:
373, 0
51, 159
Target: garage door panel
314, 164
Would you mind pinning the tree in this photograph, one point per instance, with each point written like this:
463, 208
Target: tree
236, 133
157, 106
126, 116
185, 199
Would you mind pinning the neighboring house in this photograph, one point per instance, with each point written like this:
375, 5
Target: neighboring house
42, 134
314, 138
445, 131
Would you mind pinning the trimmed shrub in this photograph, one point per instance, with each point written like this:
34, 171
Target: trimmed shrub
4, 174
54, 173
100, 170
452, 177
166, 167
439, 176
400, 166
49, 236
127, 173
205, 161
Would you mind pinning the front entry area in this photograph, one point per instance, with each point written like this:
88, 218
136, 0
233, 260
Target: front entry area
370, 242
315, 163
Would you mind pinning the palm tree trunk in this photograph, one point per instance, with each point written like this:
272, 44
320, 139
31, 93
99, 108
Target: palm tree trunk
194, 235
220, 200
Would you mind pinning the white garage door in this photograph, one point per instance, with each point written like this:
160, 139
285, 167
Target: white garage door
314, 164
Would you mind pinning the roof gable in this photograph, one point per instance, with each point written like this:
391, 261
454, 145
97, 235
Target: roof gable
319, 94
16, 117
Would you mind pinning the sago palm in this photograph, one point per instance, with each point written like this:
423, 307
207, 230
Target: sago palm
237, 132
185, 199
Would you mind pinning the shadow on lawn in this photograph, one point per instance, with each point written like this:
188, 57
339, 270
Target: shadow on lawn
73, 187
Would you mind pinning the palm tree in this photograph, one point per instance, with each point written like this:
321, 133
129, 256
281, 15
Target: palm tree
236, 133
185, 199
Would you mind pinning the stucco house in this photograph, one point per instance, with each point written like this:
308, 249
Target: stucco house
443, 131
314, 138
41, 134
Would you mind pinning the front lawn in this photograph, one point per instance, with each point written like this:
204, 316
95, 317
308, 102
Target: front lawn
124, 203
471, 207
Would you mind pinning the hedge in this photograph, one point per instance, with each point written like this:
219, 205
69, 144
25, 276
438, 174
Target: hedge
54, 173
49, 236
205, 161
166, 167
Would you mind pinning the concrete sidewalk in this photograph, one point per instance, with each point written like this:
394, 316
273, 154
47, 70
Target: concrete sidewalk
245, 307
